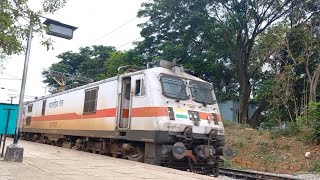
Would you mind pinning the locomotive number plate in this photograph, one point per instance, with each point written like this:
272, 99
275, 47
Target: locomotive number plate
53, 124
173, 128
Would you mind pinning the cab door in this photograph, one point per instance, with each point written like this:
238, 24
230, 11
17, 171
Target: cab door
125, 104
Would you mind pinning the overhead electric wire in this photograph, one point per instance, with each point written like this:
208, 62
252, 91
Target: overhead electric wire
11, 79
128, 43
10, 75
110, 32
26, 96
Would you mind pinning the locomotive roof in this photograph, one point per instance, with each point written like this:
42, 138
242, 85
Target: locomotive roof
158, 70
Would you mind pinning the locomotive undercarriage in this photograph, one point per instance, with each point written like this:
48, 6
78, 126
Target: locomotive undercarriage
192, 152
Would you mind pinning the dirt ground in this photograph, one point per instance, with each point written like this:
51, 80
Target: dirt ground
258, 150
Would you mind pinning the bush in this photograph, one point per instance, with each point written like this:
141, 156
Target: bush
227, 123
315, 167
314, 116
291, 130
228, 163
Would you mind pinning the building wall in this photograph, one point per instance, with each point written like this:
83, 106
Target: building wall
230, 110
226, 110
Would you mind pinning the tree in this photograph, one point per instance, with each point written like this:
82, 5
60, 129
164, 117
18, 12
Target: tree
82, 66
96, 63
303, 42
121, 59
291, 49
244, 21
15, 16
185, 29
226, 28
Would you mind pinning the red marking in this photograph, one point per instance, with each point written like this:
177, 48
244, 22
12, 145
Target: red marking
150, 112
125, 113
136, 112
71, 116
204, 115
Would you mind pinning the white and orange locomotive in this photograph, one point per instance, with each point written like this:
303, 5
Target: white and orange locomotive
160, 115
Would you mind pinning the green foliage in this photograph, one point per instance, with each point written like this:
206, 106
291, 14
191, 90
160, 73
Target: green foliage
240, 143
314, 115
315, 167
121, 59
14, 20
263, 152
271, 157
228, 163
185, 29
291, 130
88, 63
96, 62
227, 123
311, 122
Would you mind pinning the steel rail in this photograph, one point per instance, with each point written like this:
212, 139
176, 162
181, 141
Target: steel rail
243, 174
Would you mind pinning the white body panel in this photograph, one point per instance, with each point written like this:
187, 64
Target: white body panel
148, 112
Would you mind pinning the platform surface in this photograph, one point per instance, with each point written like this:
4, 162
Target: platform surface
55, 163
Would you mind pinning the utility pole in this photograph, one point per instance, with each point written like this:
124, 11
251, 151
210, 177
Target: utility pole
14, 153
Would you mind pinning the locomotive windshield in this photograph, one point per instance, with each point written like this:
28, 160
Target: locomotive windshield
201, 92
173, 87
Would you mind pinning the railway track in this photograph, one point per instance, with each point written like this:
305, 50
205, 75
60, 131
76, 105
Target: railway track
249, 175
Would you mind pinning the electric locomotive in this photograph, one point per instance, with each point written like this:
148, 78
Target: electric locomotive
161, 115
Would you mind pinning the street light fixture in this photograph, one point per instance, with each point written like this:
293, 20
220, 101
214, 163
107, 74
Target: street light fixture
14, 153
59, 29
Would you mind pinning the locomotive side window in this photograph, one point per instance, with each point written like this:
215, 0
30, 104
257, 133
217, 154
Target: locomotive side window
28, 120
90, 101
127, 92
30, 107
44, 102
173, 87
140, 90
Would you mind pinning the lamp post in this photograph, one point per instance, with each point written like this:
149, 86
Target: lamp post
14, 153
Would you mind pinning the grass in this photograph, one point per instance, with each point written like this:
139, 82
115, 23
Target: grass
228, 164
236, 150
292, 130
241, 142
271, 157
315, 167
258, 146
262, 152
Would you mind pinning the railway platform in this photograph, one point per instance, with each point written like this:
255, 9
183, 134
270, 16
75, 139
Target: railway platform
45, 162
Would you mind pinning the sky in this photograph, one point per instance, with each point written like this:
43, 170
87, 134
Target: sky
95, 20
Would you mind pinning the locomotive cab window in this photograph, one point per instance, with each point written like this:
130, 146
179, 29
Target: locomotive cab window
127, 91
90, 101
44, 102
174, 87
30, 107
140, 90
201, 92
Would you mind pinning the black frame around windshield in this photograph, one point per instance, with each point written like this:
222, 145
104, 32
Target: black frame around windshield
166, 79
208, 99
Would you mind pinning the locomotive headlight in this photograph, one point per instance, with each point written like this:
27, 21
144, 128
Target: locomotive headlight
190, 115
171, 113
195, 115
